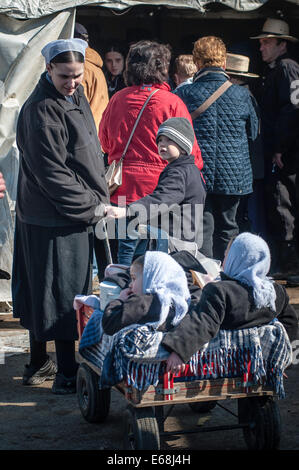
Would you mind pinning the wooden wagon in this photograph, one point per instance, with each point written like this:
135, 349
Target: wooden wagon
144, 418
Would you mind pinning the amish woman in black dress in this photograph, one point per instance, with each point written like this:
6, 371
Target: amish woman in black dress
61, 182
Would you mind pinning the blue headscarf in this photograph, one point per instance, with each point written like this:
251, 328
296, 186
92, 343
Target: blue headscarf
248, 261
163, 276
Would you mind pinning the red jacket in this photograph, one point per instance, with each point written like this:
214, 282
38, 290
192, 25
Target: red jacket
142, 164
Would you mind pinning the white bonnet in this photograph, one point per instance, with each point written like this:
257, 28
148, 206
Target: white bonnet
53, 48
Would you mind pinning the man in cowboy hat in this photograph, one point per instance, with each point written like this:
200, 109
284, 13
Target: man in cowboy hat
280, 124
237, 67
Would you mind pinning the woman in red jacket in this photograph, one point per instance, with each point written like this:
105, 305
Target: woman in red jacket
147, 67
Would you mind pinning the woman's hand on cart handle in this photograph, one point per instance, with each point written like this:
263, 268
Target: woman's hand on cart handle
277, 160
116, 212
175, 364
2, 186
100, 210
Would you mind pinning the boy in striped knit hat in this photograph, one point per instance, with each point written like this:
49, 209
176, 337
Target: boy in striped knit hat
179, 196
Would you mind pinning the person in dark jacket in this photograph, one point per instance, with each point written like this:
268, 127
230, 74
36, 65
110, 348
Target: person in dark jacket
189, 263
280, 123
244, 297
222, 132
251, 212
158, 295
179, 196
61, 183
114, 61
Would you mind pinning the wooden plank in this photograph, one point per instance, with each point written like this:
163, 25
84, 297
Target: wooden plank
195, 391
187, 392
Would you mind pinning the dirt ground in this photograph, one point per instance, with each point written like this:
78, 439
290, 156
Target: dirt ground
32, 418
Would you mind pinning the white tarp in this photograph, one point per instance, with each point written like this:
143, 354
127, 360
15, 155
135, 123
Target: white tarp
38, 8
21, 65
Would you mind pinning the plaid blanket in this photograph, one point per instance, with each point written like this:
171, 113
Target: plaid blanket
259, 354
132, 347
135, 354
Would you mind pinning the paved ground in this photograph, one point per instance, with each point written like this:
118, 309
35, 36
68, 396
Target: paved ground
32, 418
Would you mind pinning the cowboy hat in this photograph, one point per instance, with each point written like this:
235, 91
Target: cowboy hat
273, 28
238, 65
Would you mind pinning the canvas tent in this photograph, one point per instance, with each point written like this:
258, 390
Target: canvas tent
25, 27
39, 8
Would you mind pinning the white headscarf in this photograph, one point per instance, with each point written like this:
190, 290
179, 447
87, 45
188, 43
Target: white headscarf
248, 261
53, 48
163, 276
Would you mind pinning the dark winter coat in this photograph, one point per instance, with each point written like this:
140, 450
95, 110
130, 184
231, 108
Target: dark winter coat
279, 111
146, 308
61, 181
228, 305
222, 131
256, 150
114, 84
185, 259
137, 309
61, 176
179, 184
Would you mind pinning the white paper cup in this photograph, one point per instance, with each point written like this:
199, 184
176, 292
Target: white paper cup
108, 292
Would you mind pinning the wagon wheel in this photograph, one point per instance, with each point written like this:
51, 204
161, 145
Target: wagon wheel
203, 406
93, 403
141, 430
263, 416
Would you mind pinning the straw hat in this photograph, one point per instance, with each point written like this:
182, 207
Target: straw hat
273, 28
238, 65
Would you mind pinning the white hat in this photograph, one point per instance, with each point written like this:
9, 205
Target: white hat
53, 48
238, 65
273, 28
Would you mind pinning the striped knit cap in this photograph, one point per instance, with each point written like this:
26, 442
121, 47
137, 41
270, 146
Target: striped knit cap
179, 130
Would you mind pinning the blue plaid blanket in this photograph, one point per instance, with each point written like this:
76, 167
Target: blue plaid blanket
135, 354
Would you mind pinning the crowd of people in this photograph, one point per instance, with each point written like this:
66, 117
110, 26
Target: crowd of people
205, 140
250, 154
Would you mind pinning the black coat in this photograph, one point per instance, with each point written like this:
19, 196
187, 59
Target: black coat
137, 309
279, 115
180, 184
146, 308
61, 181
61, 175
185, 259
226, 304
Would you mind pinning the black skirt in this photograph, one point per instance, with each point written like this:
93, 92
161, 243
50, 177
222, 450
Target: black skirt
51, 266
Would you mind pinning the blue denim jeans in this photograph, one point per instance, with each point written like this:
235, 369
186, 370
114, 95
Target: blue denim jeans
131, 247
126, 244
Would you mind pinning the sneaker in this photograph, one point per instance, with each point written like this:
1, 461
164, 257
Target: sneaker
34, 376
64, 385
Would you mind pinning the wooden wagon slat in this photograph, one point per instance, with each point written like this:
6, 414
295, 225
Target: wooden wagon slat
195, 391
187, 392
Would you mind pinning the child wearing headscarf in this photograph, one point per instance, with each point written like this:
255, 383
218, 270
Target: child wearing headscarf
158, 295
245, 297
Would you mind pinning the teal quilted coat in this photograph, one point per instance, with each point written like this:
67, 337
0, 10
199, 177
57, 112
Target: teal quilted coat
223, 131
